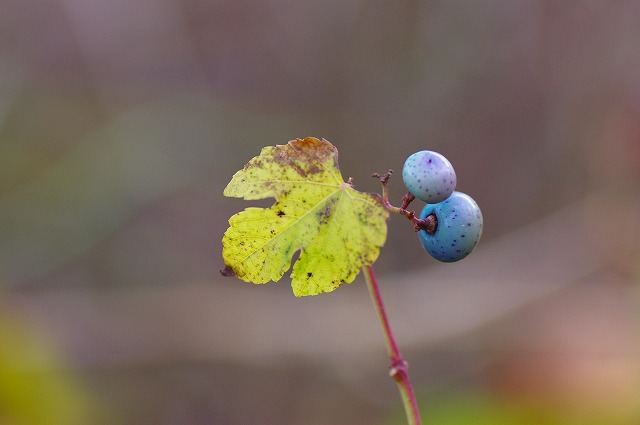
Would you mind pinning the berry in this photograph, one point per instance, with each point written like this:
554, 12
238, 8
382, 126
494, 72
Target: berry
429, 176
458, 228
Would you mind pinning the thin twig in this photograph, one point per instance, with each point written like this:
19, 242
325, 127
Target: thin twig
398, 366
428, 224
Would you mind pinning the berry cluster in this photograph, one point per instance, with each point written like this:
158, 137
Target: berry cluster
450, 225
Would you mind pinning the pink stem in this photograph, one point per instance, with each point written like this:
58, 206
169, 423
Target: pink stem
398, 366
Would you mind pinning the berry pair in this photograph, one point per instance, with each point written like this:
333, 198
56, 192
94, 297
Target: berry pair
430, 177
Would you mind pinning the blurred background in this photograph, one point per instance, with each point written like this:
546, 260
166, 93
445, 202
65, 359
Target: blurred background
122, 121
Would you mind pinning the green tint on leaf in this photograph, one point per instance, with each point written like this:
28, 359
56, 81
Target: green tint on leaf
337, 229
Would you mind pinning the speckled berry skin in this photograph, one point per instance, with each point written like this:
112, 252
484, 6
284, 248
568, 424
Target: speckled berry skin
458, 230
429, 176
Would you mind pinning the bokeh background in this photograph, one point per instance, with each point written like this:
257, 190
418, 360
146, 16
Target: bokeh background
122, 121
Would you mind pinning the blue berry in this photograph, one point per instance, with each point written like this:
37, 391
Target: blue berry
458, 228
429, 176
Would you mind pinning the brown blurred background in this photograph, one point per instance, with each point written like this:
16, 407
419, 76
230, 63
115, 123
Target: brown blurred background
122, 121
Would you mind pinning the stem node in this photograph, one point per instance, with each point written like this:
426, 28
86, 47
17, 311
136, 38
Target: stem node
397, 369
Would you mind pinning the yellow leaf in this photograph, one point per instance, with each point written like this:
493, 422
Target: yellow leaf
337, 229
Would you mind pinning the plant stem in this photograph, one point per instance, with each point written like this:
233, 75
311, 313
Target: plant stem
428, 224
398, 366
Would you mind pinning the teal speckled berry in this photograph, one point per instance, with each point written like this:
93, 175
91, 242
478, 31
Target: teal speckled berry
458, 228
429, 176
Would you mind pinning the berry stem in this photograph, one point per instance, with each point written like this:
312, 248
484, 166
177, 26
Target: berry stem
427, 224
397, 366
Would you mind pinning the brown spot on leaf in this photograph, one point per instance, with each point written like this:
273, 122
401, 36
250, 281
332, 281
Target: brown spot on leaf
324, 215
298, 168
310, 153
307, 142
227, 271
314, 169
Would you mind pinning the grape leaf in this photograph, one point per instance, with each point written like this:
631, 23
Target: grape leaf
337, 229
